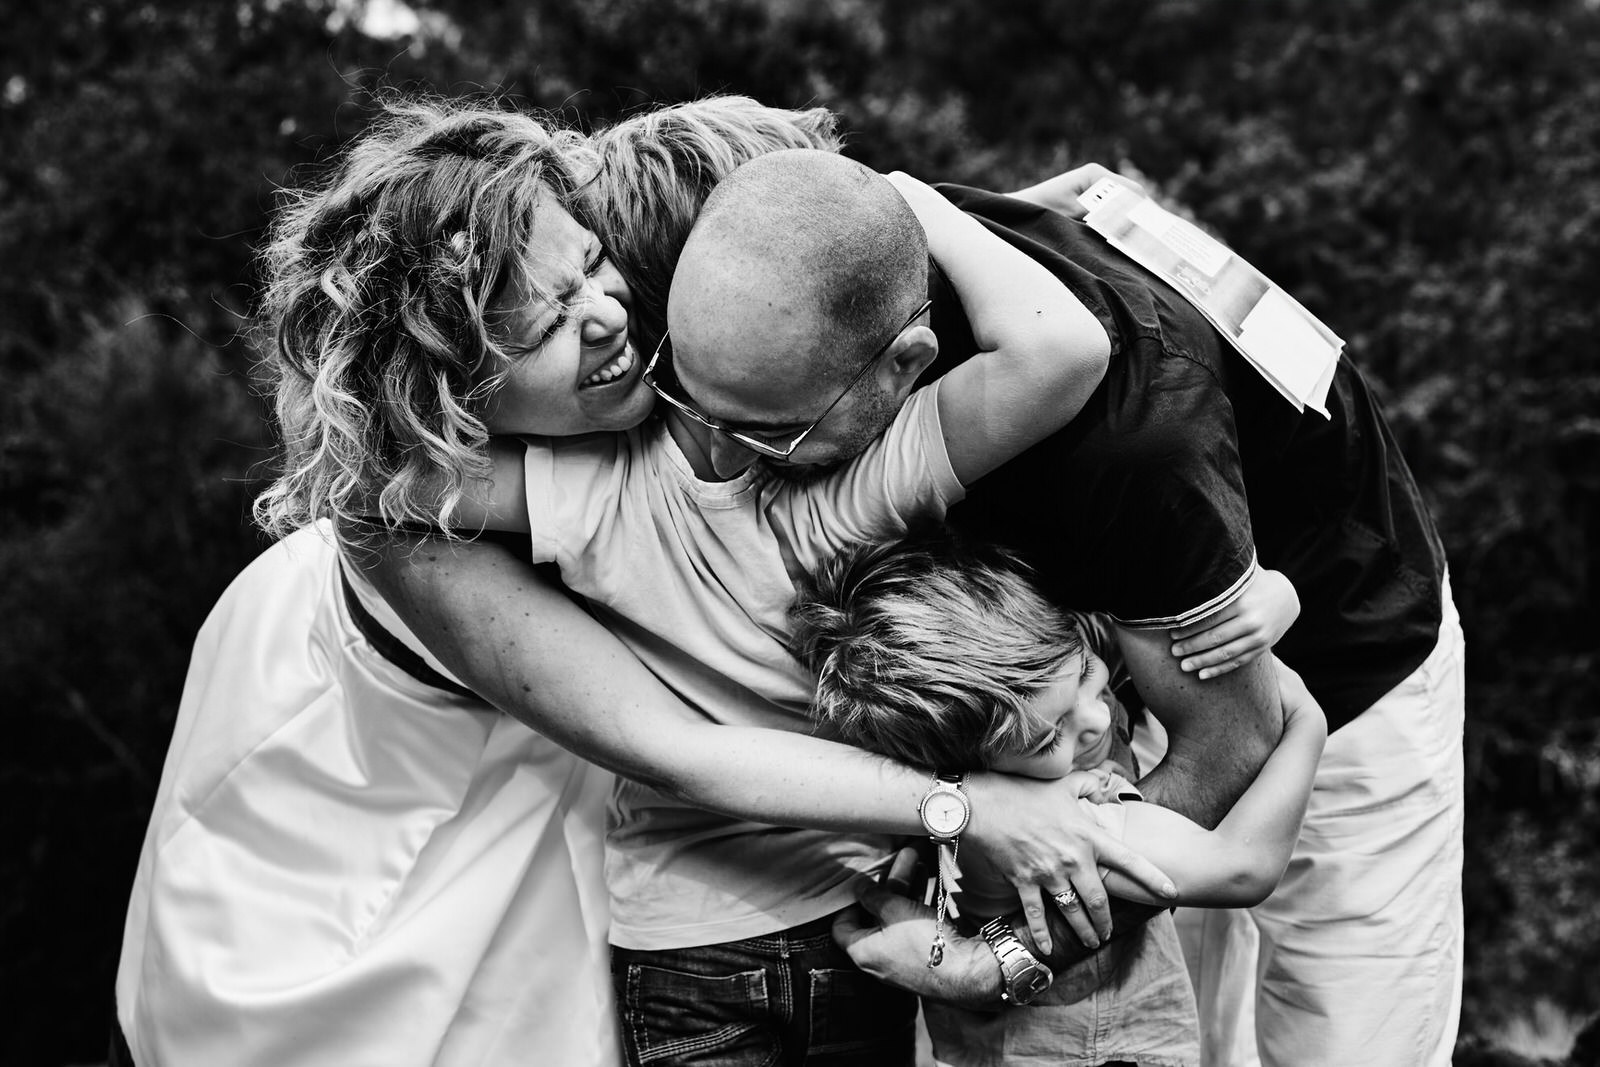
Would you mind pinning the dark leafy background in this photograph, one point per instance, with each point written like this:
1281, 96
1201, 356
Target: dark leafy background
1424, 175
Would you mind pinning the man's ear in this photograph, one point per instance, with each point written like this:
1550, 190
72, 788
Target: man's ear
906, 358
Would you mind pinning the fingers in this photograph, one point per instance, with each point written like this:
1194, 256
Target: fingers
1096, 904
885, 907
1220, 669
1033, 911
1070, 905
1212, 636
1081, 177
901, 872
1231, 656
851, 925
1135, 866
1228, 613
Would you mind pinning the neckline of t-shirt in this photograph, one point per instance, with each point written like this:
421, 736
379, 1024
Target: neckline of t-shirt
728, 493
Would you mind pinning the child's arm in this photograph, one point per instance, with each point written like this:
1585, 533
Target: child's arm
501, 502
1040, 351
1228, 639
1240, 862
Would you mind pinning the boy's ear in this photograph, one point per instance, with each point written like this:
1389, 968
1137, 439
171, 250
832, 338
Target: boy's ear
908, 356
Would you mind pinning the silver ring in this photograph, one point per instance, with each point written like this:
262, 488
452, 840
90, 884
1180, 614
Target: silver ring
1067, 899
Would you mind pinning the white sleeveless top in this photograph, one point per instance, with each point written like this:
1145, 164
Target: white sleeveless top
348, 866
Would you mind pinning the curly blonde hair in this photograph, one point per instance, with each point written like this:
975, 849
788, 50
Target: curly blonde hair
655, 170
929, 650
379, 278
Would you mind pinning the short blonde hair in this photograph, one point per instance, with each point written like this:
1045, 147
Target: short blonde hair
379, 277
928, 650
655, 170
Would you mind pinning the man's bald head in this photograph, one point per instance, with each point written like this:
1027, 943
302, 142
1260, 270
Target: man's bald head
801, 262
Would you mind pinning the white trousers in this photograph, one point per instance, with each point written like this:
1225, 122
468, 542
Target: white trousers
1355, 960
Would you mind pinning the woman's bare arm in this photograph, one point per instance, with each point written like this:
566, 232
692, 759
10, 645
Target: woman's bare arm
525, 647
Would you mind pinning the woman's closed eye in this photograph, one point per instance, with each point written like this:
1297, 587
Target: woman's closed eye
575, 298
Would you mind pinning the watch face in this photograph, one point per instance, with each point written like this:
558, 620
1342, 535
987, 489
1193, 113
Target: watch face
944, 813
1031, 983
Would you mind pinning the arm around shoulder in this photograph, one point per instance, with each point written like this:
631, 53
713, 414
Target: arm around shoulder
1240, 862
1041, 351
519, 642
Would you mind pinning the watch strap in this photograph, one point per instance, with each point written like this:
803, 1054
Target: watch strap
1016, 963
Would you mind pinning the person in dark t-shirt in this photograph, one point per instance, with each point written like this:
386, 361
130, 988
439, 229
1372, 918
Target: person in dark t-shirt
1183, 476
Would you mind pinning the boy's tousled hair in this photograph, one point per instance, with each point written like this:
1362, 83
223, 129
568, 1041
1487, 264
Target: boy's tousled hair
379, 278
928, 650
655, 170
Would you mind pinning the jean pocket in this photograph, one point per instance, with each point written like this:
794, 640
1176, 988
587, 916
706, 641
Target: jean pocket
693, 1020
854, 1013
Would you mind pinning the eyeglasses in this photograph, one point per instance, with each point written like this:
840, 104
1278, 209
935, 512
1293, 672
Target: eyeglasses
653, 378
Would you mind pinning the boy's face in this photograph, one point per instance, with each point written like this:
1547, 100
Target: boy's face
1076, 704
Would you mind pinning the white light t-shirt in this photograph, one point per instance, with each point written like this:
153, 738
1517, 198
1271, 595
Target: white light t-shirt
697, 578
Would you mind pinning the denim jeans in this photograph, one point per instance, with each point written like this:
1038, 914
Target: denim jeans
787, 998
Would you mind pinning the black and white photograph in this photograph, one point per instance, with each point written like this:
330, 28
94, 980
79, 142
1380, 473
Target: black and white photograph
738, 533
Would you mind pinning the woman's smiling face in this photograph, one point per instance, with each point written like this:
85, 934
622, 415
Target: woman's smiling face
574, 370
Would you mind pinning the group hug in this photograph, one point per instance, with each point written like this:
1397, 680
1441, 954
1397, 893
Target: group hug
727, 605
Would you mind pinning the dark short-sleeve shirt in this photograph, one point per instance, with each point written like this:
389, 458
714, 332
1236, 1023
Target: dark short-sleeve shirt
1185, 468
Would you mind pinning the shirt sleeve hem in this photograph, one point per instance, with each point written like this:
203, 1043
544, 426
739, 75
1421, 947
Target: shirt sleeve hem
937, 453
1199, 611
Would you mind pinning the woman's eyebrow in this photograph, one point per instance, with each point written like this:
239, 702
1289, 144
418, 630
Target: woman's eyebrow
558, 302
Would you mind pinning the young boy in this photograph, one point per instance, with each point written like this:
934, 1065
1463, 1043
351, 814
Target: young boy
943, 654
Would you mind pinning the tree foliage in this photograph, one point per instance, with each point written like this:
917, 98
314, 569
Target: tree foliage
1425, 176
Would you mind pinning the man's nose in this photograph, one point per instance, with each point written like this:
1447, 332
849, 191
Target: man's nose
729, 458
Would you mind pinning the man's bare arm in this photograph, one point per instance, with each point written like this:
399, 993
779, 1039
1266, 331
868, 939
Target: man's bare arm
1219, 732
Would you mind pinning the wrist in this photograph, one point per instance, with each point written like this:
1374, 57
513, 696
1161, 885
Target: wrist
982, 981
984, 790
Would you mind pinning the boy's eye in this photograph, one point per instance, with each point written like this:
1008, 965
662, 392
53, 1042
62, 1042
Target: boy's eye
1053, 742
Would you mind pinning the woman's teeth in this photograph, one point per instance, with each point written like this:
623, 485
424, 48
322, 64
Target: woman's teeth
619, 366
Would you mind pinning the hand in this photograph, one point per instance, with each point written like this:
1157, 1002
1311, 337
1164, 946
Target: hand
1061, 192
1034, 833
888, 936
1234, 635
1103, 784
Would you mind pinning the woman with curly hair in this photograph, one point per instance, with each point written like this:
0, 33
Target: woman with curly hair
353, 858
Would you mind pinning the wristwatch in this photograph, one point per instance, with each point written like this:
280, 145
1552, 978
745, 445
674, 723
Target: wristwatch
1024, 976
945, 808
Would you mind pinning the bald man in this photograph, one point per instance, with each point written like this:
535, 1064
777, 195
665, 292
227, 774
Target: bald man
1184, 473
